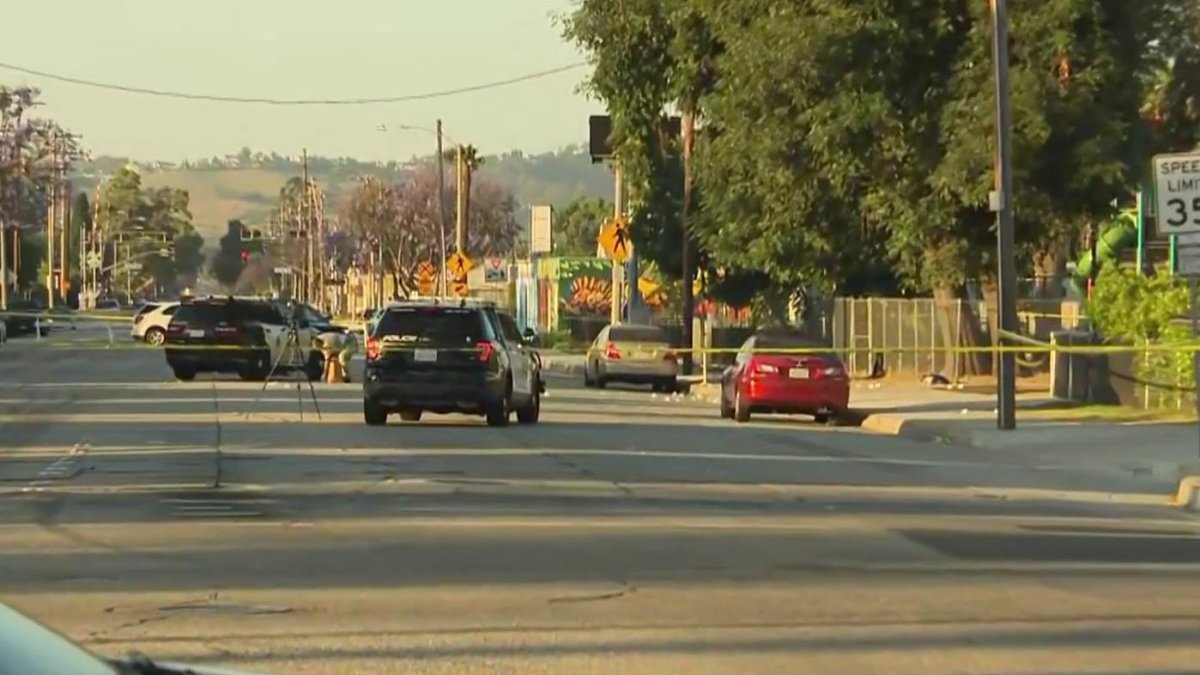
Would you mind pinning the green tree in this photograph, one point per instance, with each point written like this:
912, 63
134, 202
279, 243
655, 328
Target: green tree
227, 264
577, 226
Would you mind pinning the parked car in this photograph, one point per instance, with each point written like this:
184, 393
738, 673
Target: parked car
150, 322
632, 354
786, 373
247, 336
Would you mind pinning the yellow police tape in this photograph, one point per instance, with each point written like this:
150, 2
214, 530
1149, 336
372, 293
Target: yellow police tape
1026, 349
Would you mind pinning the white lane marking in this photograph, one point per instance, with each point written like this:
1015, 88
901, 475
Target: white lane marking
216, 501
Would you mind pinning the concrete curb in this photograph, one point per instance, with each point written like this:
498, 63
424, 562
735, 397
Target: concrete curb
931, 431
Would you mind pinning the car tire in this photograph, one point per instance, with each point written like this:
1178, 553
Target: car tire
497, 412
184, 374
410, 415
822, 418
726, 409
155, 337
588, 382
374, 414
531, 411
741, 409
601, 382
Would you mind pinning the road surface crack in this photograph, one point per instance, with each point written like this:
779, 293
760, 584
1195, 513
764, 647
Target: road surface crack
596, 597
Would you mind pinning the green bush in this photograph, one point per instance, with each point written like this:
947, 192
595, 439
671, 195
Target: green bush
1128, 308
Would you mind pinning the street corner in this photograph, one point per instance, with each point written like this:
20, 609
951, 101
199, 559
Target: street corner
1187, 492
949, 432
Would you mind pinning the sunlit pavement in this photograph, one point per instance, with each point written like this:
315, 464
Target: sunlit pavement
627, 532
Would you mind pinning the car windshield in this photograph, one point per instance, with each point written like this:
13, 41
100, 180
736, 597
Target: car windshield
28, 648
792, 343
432, 325
649, 334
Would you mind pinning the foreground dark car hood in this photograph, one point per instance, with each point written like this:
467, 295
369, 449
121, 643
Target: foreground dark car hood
174, 668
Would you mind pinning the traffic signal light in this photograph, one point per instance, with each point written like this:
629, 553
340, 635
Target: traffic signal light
245, 256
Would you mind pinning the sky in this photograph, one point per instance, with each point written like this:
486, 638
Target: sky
299, 49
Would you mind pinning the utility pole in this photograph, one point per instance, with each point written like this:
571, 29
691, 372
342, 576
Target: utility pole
304, 227
3, 264
64, 257
441, 161
51, 217
1006, 385
460, 216
688, 134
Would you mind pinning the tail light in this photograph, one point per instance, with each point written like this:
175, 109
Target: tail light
138, 319
176, 328
610, 351
763, 368
373, 349
669, 356
830, 370
486, 349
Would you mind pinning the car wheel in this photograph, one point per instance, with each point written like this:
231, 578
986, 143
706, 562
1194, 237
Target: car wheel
497, 413
374, 414
531, 411
184, 374
410, 415
822, 418
726, 409
600, 381
154, 337
588, 382
741, 409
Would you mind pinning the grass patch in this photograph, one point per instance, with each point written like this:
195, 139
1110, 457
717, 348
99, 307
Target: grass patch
1106, 413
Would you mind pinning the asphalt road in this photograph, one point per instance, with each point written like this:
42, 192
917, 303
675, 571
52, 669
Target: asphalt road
627, 533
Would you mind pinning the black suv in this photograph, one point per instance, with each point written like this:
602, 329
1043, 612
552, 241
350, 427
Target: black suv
235, 335
448, 356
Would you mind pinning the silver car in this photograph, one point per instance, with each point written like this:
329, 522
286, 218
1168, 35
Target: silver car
633, 354
150, 323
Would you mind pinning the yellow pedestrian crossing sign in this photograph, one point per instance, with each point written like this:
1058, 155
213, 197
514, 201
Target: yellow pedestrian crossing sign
458, 265
614, 239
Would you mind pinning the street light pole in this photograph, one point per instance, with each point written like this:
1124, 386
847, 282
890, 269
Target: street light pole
1006, 385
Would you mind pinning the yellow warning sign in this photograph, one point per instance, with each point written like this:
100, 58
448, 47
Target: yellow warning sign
614, 239
458, 265
426, 278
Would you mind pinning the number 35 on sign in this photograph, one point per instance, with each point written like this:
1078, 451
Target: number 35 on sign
1177, 193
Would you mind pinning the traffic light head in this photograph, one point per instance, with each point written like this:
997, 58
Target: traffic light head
245, 256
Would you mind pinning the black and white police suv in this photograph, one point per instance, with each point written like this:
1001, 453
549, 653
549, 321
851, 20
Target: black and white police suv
450, 356
246, 336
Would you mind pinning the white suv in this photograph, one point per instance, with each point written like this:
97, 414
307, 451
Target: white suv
150, 323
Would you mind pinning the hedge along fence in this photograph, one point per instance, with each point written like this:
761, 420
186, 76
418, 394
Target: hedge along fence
1128, 308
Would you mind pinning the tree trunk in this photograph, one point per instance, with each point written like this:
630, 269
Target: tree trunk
959, 329
1048, 266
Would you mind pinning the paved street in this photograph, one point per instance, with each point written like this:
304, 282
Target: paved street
220, 523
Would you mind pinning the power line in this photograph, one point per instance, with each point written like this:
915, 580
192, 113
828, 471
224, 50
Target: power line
296, 101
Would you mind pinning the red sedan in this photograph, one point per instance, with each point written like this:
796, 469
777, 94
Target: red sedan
788, 374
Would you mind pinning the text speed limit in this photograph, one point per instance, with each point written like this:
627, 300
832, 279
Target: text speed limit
1177, 191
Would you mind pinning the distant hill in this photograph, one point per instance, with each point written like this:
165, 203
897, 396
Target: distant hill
245, 185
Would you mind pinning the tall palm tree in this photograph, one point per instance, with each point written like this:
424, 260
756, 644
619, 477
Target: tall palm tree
471, 161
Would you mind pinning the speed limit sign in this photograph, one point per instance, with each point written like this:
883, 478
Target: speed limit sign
1177, 193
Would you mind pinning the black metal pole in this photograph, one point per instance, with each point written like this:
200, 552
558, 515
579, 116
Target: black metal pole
1006, 385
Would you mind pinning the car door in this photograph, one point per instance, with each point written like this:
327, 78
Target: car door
521, 351
732, 374
518, 361
595, 351
275, 330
